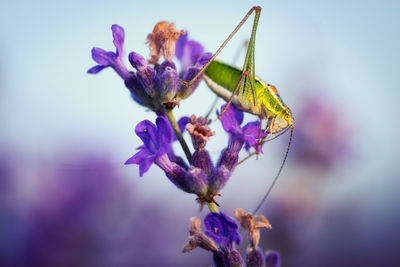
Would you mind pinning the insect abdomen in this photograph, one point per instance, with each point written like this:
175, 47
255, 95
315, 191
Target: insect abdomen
224, 75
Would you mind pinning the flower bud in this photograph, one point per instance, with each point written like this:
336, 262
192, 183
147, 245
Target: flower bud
146, 75
168, 84
201, 159
254, 257
233, 258
140, 95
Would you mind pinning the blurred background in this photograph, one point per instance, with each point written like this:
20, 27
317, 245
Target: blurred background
66, 199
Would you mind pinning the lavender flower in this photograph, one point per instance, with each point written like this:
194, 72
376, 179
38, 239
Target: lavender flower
187, 51
110, 59
157, 145
201, 177
155, 87
248, 134
238, 136
157, 141
222, 229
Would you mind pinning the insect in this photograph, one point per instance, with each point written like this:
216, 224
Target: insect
247, 92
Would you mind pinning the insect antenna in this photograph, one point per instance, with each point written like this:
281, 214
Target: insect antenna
276, 136
262, 143
277, 175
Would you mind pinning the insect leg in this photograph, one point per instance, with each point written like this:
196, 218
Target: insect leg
244, 74
256, 9
259, 141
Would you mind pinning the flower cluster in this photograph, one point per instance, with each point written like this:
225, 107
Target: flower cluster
155, 87
201, 177
221, 235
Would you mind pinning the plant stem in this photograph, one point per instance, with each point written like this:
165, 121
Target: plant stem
178, 134
212, 207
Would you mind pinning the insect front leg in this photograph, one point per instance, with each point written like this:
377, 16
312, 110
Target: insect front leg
270, 124
259, 139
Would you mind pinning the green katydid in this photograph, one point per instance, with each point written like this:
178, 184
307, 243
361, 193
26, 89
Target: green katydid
248, 92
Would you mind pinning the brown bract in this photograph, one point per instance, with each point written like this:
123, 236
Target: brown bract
252, 224
162, 41
197, 238
199, 131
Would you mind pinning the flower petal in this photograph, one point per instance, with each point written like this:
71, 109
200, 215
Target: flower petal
251, 132
137, 61
145, 165
230, 121
102, 57
238, 114
182, 124
96, 69
143, 158
164, 131
180, 45
221, 228
187, 51
119, 37
147, 131
138, 157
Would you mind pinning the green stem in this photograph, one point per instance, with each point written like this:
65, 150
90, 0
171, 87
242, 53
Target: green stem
178, 133
212, 207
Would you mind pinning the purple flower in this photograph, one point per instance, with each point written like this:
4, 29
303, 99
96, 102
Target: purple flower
157, 141
222, 229
111, 59
249, 134
160, 83
156, 149
156, 87
201, 177
187, 51
238, 136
